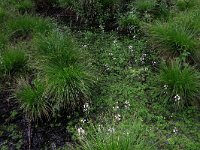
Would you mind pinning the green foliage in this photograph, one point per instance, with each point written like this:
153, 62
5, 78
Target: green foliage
31, 99
3, 15
174, 38
12, 60
180, 83
127, 135
63, 70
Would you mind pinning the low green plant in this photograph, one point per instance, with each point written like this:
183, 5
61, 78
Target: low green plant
31, 99
180, 84
127, 135
13, 60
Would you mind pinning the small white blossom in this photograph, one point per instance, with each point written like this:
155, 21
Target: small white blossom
84, 46
177, 98
81, 131
83, 120
86, 107
165, 87
130, 47
111, 130
127, 104
118, 117
110, 54
175, 130
115, 41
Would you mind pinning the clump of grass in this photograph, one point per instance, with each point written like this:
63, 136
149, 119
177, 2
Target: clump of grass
129, 20
174, 39
26, 25
145, 5
2, 15
190, 20
13, 60
24, 6
31, 99
186, 4
127, 135
180, 83
63, 70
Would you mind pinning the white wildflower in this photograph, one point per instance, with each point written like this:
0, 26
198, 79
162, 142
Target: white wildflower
165, 87
177, 98
86, 107
127, 104
175, 130
118, 117
111, 130
81, 131
130, 47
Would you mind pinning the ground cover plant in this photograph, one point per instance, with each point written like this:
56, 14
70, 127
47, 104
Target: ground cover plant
105, 74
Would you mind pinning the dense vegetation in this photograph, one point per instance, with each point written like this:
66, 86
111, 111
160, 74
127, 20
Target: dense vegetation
99, 74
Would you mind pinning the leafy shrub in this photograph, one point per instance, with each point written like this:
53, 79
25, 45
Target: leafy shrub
31, 99
127, 135
13, 60
180, 83
174, 38
68, 83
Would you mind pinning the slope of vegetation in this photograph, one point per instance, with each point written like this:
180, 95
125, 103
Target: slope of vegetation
99, 75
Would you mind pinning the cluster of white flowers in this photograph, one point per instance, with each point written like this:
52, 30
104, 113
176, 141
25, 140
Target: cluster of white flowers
86, 107
117, 117
177, 98
127, 104
81, 131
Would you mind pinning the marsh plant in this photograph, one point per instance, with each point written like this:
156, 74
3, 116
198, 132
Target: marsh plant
180, 84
